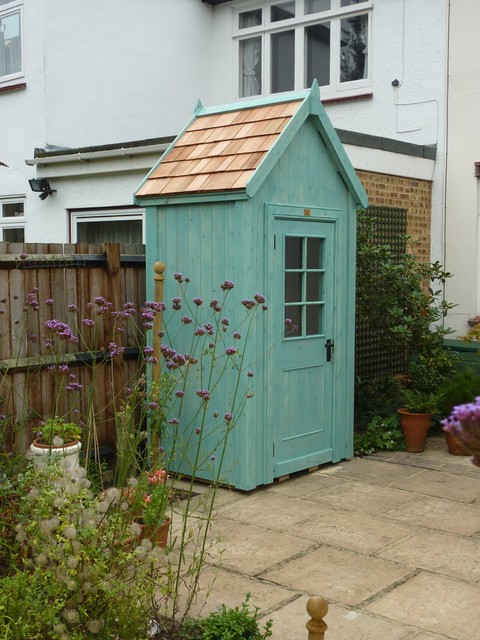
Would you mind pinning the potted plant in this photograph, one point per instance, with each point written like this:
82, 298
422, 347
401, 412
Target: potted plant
150, 498
59, 440
415, 417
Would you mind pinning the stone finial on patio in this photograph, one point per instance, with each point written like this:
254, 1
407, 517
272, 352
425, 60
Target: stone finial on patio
317, 609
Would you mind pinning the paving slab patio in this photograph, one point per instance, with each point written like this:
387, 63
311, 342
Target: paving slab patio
391, 541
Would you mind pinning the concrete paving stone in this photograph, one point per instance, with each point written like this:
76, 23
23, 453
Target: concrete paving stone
434, 603
218, 586
442, 485
343, 624
250, 549
353, 531
372, 471
438, 552
437, 513
270, 510
303, 485
338, 575
361, 497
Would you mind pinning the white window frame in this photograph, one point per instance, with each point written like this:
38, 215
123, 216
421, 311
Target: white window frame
335, 89
17, 222
8, 9
105, 215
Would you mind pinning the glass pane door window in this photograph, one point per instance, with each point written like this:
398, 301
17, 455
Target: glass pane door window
304, 286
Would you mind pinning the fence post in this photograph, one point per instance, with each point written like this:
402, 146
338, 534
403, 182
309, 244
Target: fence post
317, 608
159, 278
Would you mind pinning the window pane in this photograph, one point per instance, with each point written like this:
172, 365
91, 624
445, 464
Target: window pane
250, 67
12, 210
314, 319
314, 282
125, 231
283, 61
347, 3
314, 253
293, 287
318, 53
313, 6
10, 45
250, 19
295, 315
353, 48
14, 235
282, 11
293, 253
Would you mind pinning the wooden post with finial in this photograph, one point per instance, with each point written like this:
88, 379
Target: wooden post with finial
317, 609
159, 278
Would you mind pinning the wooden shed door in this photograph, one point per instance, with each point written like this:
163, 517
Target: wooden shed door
302, 374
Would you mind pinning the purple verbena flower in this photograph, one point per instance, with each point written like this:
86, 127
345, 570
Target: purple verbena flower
179, 393
230, 351
204, 394
50, 302
176, 303
198, 301
237, 335
227, 285
260, 298
178, 277
249, 304
186, 320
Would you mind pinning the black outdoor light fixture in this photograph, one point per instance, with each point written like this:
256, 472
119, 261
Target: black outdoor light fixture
43, 186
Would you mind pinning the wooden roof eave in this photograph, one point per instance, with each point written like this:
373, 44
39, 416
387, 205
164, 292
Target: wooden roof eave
188, 198
274, 154
336, 149
142, 201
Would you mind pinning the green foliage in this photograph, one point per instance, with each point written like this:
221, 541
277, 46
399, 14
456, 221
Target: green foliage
463, 386
417, 401
382, 434
235, 623
53, 428
378, 396
393, 296
431, 368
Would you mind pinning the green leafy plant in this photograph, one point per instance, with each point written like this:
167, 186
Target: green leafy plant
416, 401
56, 431
461, 387
431, 368
382, 434
400, 298
235, 623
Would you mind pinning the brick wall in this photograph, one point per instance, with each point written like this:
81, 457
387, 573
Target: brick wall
406, 193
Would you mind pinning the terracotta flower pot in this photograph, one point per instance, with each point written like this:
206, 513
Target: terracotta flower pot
156, 534
455, 447
415, 428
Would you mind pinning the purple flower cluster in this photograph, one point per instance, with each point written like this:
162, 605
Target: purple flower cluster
61, 329
115, 350
204, 394
464, 424
31, 300
173, 360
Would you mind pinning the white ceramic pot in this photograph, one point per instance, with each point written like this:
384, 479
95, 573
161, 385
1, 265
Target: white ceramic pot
66, 455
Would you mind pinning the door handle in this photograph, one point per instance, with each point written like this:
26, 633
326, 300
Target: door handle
329, 346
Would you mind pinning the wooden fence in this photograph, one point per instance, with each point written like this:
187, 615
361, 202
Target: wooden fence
43, 285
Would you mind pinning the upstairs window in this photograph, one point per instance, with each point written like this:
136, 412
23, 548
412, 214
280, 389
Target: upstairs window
284, 46
11, 63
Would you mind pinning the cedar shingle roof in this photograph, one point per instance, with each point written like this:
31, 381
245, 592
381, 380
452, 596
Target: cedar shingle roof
219, 152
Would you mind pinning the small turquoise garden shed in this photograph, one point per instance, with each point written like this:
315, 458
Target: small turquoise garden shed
263, 194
